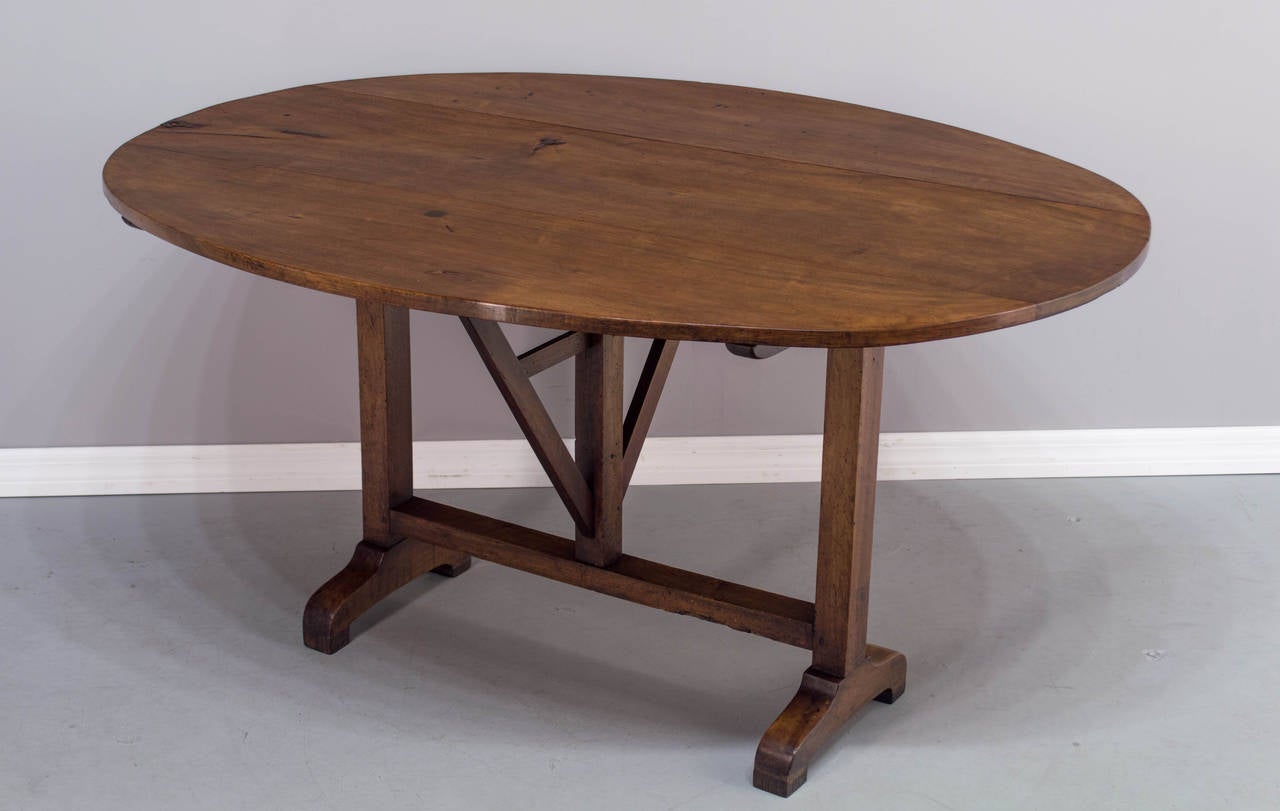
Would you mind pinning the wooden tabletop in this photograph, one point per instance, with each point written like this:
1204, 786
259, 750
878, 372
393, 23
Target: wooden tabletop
633, 207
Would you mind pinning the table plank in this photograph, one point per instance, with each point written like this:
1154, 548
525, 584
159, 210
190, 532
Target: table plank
762, 122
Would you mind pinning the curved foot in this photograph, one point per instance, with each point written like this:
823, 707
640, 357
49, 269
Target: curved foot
819, 710
373, 573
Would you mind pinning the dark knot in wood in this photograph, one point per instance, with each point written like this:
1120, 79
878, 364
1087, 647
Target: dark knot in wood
546, 142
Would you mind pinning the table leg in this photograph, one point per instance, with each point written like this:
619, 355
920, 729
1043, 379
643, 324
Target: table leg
598, 447
383, 561
405, 537
846, 672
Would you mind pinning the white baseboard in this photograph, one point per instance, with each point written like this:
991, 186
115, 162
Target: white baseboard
665, 460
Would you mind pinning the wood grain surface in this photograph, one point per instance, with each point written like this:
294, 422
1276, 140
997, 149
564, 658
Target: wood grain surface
633, 207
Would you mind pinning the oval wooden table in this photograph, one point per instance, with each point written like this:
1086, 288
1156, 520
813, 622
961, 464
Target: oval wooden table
612, 207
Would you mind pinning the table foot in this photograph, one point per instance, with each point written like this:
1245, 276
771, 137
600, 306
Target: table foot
820, 709
460, 564
373, 573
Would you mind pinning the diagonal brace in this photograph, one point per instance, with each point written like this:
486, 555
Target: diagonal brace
532, 417
644, 402
560, 348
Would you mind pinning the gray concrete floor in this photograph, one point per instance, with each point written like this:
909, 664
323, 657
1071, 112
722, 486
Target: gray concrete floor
1072, 644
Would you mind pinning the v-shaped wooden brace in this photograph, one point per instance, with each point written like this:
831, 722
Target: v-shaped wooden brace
592, 481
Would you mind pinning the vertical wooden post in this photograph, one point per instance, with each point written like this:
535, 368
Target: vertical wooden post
846, 672
381, 562
598, 446
850, 445
386, 416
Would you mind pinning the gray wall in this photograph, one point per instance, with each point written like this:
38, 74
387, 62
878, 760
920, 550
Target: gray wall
108, 336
